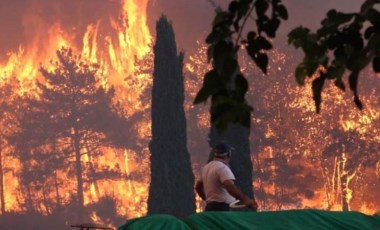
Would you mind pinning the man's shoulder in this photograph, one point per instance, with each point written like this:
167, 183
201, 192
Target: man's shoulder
217, 164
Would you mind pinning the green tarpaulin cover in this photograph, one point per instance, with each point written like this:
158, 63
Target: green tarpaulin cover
292, 219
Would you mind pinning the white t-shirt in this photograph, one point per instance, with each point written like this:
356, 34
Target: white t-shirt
213, 174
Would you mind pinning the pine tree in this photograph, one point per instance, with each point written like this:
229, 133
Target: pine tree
7, 123
171, 189
72, 115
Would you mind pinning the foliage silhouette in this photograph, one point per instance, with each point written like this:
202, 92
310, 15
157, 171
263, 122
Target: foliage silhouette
354, 40
172, 179
71, 115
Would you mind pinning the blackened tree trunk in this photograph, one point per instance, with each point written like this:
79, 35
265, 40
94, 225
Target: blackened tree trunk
241, 164
78, 172
171, 187
2, 192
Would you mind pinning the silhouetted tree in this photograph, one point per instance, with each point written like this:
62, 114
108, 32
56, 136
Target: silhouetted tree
8, 125
171, 188
72, 115
344, 158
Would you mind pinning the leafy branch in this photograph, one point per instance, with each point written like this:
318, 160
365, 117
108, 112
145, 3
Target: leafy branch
345, 42
225, 83
353, 41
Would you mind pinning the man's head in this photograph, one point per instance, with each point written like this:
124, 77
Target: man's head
222, 150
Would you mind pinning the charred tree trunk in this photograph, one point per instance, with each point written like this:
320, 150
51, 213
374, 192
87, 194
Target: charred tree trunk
45, 200
93, 175
2, 190
78, 171
171, 187
345, 198
56, 186
241, 164
29, 199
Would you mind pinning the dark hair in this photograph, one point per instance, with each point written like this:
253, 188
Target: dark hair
222, 150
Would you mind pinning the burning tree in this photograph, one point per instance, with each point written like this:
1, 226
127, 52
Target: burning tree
7, 122
72, 115
171, 187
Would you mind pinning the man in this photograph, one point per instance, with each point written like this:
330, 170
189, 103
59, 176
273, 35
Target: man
216, 185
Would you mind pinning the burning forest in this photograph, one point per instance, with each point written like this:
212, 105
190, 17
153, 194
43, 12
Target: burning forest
76, 127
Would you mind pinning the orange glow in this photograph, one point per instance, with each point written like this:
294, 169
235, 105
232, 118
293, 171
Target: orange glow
124, 54
117, 59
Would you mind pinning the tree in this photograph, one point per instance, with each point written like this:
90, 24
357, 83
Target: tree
7, 122
71, 115
171, 188
288, 138
353, 39
345, 158
225, 83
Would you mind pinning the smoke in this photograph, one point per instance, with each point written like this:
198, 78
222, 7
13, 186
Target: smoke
191, 19
19, 20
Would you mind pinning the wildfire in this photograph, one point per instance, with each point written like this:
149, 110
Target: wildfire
287, 134
126, 41
291, 142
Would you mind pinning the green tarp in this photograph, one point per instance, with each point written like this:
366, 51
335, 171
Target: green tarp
292, 219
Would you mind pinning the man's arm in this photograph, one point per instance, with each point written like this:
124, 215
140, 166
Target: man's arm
199, 189
235, 192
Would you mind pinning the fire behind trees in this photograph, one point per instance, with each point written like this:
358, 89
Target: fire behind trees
302, 159
70, 116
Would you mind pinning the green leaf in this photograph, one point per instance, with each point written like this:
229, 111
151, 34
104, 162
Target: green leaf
210, 53
376, 64
263, 43
229, 67
282, 12
220, 18
357, 102
367, 5
334, 19
298, 36
339, 83
353, 80
301, 74
317, 87
312, 49
212, 37
342, 18
225, 111
211, 85
261, 7
251, 36
222, 51
358, 62
233, 6
335, 72
241, 86
271, 28
373, 16
369, 31
311, 65
261, 61
243, 9
218, 34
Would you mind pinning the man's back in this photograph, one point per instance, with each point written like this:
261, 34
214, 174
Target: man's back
213, 175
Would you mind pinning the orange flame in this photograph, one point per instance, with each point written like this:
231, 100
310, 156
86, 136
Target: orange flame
117, 59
